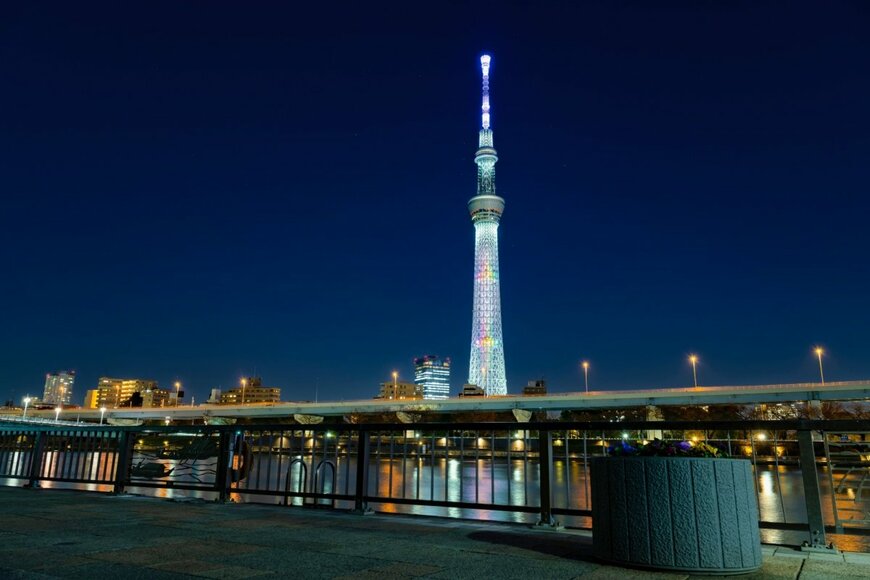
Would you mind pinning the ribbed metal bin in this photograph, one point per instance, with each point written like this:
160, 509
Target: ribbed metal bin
676, 513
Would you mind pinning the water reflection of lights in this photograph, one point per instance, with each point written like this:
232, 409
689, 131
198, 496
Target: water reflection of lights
766, 483
517, 472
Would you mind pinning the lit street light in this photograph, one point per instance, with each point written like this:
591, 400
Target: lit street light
586, 374
57, 411
694, 360
819, 352
244, 386
102, 412
26, 403
177, 391
395, 379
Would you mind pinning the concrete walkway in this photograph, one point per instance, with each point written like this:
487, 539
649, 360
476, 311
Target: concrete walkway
49, 533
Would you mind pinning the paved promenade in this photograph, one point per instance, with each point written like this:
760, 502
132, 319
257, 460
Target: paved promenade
49, 533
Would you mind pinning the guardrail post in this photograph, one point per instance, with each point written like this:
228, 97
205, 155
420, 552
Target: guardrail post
360, 505
812, 493
224, 459
122, 468
545, 462
36, 460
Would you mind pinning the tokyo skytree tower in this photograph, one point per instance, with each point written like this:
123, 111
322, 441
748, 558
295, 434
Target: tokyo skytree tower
487, 349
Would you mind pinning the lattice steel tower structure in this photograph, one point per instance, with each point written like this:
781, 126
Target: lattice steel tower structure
487, 349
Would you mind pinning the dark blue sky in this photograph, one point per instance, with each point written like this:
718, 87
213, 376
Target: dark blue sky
205, 190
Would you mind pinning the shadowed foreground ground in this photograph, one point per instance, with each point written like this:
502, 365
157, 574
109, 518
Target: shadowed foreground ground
49, 533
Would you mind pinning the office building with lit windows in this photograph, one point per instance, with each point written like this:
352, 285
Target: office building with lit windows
433, 374
113, 393
396, 391
59, 388
251, 392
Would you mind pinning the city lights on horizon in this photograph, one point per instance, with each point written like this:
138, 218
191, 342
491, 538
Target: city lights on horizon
693, 358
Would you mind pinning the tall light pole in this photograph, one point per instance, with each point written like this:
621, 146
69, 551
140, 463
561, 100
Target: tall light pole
694, 360
244, 387
102, 412
57, 411
26, 403
819, 352
585, 364
177, 391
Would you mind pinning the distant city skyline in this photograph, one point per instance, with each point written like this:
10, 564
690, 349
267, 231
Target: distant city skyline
281, 192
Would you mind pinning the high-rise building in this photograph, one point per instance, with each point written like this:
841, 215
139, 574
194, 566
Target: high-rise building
59, 388
433, 374
112, 393
486, 368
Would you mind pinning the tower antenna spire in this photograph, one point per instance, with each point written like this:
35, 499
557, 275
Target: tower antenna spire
484, 66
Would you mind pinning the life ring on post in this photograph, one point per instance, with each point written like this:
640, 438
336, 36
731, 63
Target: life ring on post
243, 457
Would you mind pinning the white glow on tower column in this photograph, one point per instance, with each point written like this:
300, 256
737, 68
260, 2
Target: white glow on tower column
484, 66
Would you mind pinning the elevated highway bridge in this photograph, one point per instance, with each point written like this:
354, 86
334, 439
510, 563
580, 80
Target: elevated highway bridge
736, 395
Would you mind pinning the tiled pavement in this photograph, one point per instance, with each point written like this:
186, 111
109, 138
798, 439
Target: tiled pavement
49, 533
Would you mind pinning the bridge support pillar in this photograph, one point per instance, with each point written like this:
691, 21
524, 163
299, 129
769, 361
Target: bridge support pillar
122, 469
545, 462
363, 453
812, 493
36, 460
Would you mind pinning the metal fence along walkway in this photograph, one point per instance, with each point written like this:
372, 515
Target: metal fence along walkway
810, 476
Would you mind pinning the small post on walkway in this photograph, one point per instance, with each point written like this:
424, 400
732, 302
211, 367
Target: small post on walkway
812, 494
122, 467
36, 460
545, 462
361, 506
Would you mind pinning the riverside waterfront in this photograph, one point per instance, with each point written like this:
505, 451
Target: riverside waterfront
499, 472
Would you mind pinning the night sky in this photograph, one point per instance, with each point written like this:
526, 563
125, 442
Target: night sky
200, 191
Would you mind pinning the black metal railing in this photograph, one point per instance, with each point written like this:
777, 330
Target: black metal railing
809, 475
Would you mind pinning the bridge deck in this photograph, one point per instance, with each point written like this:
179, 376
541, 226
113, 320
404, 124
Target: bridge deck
750, 394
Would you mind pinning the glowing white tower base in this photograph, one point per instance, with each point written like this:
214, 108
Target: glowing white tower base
486, 369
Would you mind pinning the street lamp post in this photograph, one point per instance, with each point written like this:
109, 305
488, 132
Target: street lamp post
177, 391
26, 403
819, 352
102, 412
694, 360
586, 374
244, 386
57, 411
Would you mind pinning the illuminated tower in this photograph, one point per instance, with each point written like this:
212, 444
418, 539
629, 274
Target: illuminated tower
487, 350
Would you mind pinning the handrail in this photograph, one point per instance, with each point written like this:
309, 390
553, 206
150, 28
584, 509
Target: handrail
779, 425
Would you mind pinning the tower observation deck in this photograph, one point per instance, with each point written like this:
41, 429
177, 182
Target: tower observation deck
486, 368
